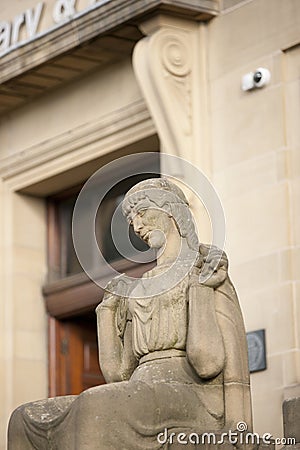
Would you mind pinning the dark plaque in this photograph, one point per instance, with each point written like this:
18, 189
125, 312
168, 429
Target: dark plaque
256, 350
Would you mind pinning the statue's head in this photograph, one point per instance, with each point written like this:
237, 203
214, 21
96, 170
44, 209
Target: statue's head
156, 204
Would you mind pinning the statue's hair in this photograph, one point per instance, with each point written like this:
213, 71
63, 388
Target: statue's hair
167, 196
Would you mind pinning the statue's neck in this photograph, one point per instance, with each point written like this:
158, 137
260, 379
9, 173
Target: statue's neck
175, 247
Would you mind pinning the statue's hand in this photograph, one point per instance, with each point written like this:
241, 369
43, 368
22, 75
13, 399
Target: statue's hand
213, 265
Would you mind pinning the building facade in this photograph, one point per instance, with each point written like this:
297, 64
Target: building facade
86, 82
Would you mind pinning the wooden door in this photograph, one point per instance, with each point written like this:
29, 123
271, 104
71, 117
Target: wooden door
73, 352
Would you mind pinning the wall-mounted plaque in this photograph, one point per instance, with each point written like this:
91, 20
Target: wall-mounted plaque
256, 350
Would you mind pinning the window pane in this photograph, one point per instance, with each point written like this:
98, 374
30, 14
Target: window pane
107, 245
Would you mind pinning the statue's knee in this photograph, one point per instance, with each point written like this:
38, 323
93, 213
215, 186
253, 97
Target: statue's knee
98, 400
16, 430
16, 418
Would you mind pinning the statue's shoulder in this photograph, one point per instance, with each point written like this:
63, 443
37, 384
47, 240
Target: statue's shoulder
121, 285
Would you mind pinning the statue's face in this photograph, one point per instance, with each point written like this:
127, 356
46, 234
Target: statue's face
152, 225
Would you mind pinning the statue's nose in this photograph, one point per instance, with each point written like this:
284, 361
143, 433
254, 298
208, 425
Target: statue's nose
137, 223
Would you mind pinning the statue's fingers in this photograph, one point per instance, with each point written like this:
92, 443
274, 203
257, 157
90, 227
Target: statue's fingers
206, 271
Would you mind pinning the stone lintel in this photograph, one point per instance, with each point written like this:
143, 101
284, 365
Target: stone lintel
84, 27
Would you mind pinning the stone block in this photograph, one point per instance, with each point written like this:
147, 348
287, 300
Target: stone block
238, 37
247, 128
267, 385
292, 63
266, 277
292, 92
295, 204
255, 218
30, 314
290, 368
35, 372
31, 345
291, 418
272, 309
29, 228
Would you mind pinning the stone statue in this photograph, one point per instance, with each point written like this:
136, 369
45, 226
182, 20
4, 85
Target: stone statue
172, 345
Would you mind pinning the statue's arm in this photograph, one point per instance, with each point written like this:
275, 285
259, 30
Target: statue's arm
205, 347
227, 288
116, 357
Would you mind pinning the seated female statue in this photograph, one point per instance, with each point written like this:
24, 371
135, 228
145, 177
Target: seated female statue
172, 345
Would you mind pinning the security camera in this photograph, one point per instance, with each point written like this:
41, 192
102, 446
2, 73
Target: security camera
261, 77
256, 79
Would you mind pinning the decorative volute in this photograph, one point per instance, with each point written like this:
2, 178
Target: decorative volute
170, 67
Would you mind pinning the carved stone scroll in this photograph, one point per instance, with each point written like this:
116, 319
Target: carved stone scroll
169, 67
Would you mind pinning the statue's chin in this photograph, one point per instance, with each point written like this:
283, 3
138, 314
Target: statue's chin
156, 239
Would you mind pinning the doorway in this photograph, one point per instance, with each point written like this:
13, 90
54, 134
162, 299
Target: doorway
73, 352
